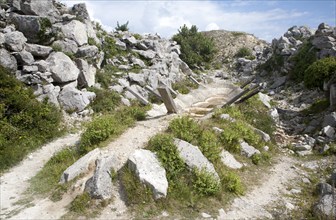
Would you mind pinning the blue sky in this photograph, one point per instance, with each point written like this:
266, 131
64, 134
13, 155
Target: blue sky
265, 19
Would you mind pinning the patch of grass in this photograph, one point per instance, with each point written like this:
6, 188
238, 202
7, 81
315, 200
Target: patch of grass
210, 145
237, 33
25, 123
184, 86
185, 128
244, 52
105, 101
81, 203
48, 178
317, 107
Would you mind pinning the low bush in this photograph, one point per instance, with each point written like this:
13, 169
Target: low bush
232, 183
244, 52
164, 147
209, 145
205, 183
81, 203
185, 128
320, 71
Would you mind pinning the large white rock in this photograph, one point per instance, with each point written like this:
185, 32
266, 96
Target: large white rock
149, 170
194, 158
80, 166
15, 41
75, 30
229, 160
38, 50
265, 99
99, 185
62, 68
71, 99
325, 208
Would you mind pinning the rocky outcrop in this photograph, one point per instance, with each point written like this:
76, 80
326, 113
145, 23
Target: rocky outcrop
74, 100
149, 171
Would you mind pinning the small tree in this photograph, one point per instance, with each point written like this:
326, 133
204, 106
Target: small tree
196, 48
123, 27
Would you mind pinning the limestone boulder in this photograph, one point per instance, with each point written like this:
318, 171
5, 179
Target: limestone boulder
7, 60
194, 158
148, 169
51, 93
248, 150
80, 166
66, 46
24, 58
38, 50
75, 30
87, 51
15, 41
325, 208
39, 8
99, 185
62, 68
72, 99
229, 160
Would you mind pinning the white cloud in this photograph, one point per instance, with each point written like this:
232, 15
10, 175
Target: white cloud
212, 26
165, 17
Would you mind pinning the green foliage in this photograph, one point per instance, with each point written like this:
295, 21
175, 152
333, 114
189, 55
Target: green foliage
305, 56
196, 48
81, 203
168, 155
319, 71
45, 34
185, 128
205, 183
237, 33
272, 64
105, 101
135, 191
123, 27
232, 183
209, 145
244, 52
25, 123
137, 36
318, 106
91, 41
109, 47
184, 86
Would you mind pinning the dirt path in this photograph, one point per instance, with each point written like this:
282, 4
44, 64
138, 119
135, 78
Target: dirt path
15, 181
253, 205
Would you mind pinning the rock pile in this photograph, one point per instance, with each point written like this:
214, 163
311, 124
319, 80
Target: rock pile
56, 51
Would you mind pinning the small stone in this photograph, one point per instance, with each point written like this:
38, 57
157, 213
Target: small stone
289, 206
295, 191
227, 117
329, 131
164, 214
305, 180
266, 148
217, 130
205, 215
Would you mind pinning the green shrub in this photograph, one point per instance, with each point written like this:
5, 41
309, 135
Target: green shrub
302, 59
105, 101
185, 128
232, 183
205, 183
168, 155
244, 52
196, 48
123, 27
109, 47
25, 122
209, 145
320, 71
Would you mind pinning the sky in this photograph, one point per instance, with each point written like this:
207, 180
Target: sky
266, 19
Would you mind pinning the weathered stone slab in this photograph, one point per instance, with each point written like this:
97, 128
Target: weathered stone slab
80, 166
247, 150
194, 158
229, 160
149, 170
167, 99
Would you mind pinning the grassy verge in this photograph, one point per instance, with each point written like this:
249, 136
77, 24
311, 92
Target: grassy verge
193, 191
